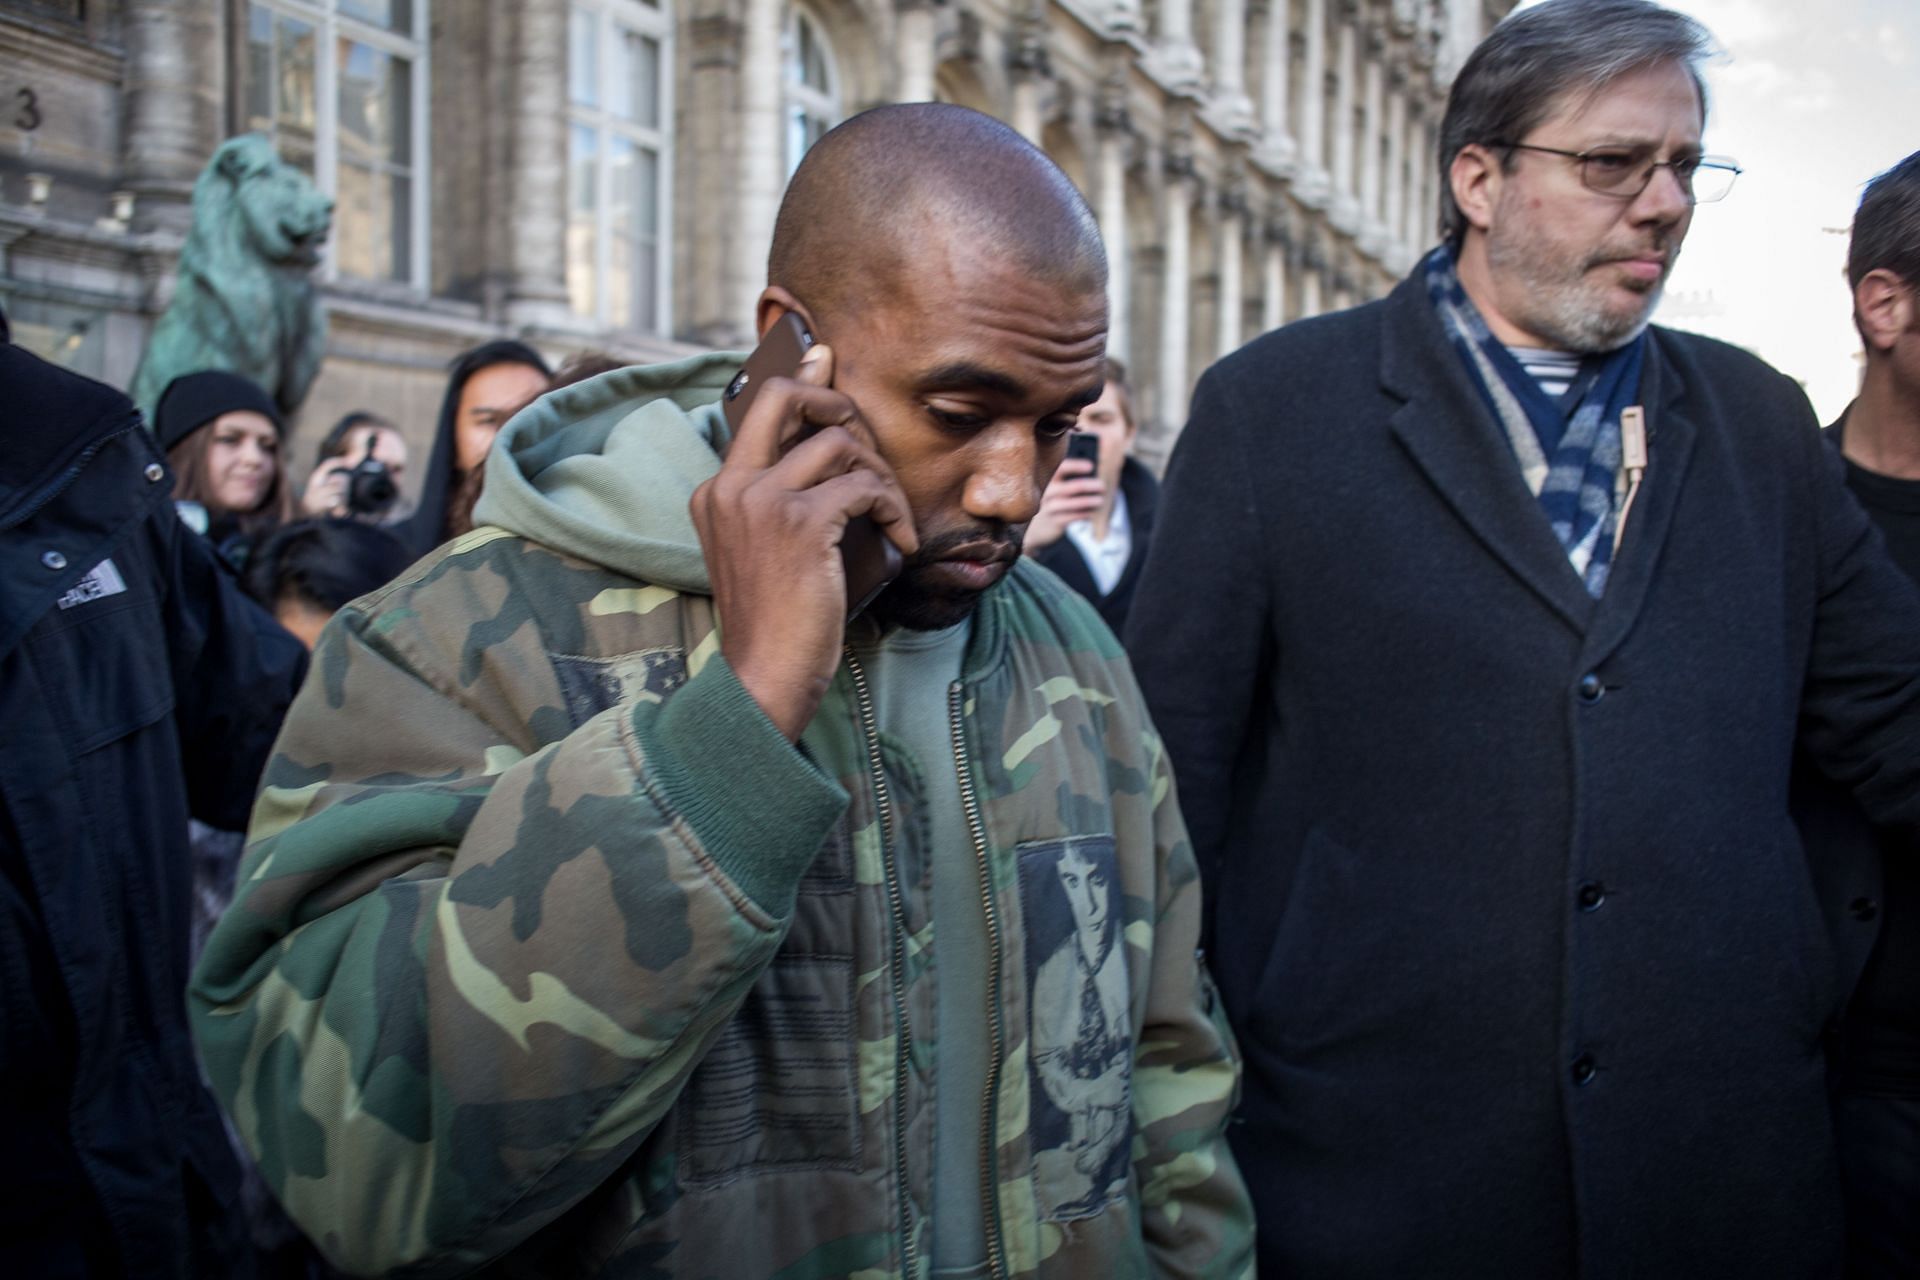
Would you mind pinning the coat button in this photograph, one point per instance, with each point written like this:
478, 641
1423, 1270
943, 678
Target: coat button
54, 560
1863, 909
1584, 1069
1590, 689
1592, 895
154, 472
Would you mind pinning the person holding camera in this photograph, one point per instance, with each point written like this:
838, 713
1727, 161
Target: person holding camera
359, 471
222, 435
1097, 513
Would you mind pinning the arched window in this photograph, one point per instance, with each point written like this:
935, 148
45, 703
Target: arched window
812, 84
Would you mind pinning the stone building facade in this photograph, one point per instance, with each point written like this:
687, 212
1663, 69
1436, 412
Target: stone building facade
605, 173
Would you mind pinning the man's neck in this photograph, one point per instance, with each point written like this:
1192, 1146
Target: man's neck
1883, 426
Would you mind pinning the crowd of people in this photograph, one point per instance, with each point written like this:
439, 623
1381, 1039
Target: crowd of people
1511, 705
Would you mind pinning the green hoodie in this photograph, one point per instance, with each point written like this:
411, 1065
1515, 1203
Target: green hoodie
551, 956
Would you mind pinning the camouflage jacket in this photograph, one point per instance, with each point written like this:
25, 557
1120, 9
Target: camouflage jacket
552, 957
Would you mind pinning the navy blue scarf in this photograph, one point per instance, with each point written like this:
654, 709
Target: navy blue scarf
1569, 449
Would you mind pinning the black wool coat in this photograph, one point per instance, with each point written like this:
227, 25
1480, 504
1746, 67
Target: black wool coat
1507, 909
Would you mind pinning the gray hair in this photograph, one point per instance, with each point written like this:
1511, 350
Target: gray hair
1886, 229
1535, 58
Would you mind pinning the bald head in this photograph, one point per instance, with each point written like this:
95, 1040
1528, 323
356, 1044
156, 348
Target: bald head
900, 188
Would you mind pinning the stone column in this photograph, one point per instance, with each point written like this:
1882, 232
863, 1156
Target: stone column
1394, 212
1231, 300
1423, 195
1175, 288
1370, 134
1030, 68
1277, 54
761, 170
537, 188
1177, 57
1312, 278
703, 284
1273, 296
1231, 104
176, 93
1345, 71
1110, 194
915, 34
1313, 92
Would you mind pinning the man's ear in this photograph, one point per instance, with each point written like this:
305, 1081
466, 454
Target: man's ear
1883, 308
1475, 176
775, 302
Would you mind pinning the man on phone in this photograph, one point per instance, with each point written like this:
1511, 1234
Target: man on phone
615, 906
1096, 516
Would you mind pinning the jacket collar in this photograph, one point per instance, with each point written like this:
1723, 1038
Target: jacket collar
1448, 431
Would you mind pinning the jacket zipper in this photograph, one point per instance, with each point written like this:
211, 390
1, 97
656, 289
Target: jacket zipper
903, 1038
970, 801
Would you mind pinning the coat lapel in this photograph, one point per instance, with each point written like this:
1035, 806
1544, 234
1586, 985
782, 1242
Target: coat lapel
1670, 440
1450, 433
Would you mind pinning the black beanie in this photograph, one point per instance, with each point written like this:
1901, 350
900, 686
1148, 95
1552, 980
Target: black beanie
192, 400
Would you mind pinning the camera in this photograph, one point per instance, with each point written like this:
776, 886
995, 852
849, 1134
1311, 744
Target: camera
370, 486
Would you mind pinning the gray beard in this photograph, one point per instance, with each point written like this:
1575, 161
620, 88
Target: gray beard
1584, 332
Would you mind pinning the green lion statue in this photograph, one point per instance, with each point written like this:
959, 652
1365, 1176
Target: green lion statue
244, 300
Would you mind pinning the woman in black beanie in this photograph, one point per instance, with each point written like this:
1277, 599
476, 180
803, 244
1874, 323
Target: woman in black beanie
222, 435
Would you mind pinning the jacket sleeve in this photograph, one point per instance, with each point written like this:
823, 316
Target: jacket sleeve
1198, 629
235, 672
1196, 1215
1860, 706
471, 962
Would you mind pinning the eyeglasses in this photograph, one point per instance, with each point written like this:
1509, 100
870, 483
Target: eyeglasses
1624, 172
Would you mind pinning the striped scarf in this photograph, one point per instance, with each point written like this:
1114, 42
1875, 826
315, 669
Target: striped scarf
1569, 448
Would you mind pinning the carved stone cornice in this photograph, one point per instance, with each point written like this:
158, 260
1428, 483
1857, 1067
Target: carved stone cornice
1027, 53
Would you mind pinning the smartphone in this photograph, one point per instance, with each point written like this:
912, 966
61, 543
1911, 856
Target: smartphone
870, 558
1085, 445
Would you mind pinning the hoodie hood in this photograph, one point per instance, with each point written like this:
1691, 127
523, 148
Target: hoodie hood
604, 470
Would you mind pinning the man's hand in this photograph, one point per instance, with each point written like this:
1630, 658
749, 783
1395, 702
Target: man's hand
1072, 494
802, 465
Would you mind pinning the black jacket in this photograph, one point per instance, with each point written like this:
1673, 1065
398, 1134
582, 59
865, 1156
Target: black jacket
137, 685
1508, 911
1142, 492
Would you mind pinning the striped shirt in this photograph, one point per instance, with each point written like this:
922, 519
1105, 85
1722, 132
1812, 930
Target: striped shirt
1553, 370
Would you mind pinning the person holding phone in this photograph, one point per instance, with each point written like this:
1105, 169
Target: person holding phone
1096, 515
616, 905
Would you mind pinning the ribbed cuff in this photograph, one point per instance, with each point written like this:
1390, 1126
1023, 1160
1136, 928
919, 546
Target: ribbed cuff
760, 808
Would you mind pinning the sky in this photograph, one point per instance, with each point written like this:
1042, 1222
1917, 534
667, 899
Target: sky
1812, 98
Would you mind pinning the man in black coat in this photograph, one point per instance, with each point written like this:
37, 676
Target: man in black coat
1875, 1055
1483, 718
137, 686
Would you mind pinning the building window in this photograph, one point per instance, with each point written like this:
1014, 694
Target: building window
812, 84
619, 162
341, 88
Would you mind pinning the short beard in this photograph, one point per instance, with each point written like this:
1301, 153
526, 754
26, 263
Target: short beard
1573, 327
908, 602
1563, 311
